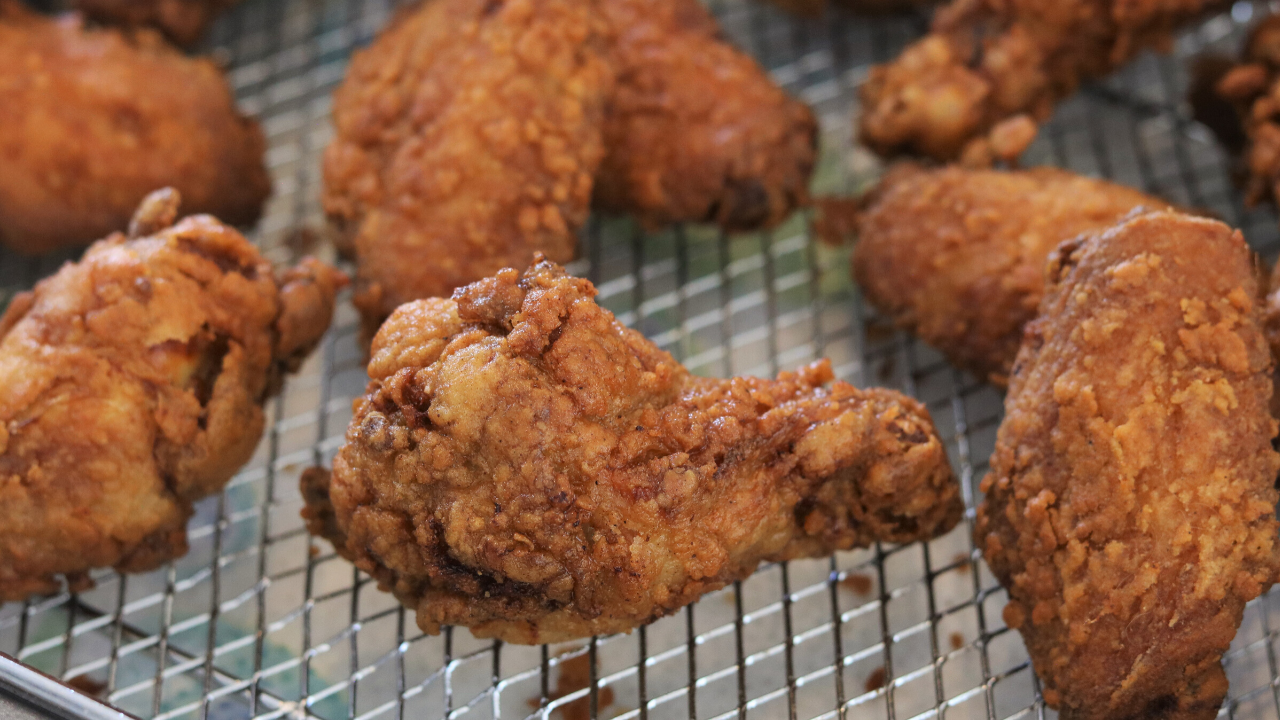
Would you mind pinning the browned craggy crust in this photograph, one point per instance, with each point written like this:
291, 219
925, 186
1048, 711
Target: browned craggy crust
1130, 510
524, 466
695, 130
957, 256
131, 385
1253, 88
182, 21
468, 135
988, 63
93, 120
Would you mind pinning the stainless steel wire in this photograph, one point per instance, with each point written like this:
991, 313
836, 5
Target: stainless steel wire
260, 621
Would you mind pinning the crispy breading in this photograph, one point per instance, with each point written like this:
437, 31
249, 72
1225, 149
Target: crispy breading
695, 130
182, 21
523, 465
1253, 87
1130, 509
93, 120
957, 256
468, 136
989, 70
131, 385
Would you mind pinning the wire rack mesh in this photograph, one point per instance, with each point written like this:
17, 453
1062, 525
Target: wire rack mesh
259, 620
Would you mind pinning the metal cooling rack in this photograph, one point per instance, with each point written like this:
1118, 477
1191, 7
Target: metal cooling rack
260, 621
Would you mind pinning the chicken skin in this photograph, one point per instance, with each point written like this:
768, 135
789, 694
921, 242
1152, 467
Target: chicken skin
182, 21
1130, 510
93, 120
131, 385
523, 465
695, 131
989, 70
468, 137
957, 256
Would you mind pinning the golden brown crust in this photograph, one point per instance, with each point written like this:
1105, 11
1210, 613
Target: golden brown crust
695, 130
93, 120
957, 256
1253, 88
1130, 509
131, 385
523, 465
468, 135
182, 21
990, 62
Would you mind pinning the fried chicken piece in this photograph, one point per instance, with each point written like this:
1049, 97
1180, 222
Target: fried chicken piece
1129, 510
182, 21
93, 120
989, 70
523, 465
957, 256
131, 385
468, 136
695, 130
1253, 87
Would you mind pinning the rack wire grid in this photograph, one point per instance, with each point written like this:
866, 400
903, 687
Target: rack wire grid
259, 620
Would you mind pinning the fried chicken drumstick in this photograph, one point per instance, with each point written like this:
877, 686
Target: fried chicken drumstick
131, 385
989, 70
524, 466
473, 133
93, 120
1130, 509
957, 256
182, 21
468, 136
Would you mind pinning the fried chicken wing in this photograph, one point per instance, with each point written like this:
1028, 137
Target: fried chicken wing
989, 70
957, 256
813, 8
468, 136
695, 131
182, 21
524, 466
93, 120
1253, 87
1130, 510
131, 385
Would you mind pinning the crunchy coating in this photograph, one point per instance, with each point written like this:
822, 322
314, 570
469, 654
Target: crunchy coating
468, 135
957, 256
93, 120
1129, 510
131, 385
523, 465
975, 86
695, 130
182, 21
1253, 87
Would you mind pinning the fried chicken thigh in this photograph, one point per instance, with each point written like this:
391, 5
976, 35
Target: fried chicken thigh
182, 21
524, 466
957, 256
93, 120
1130, 509
695, 131
131, 385
468, 136
989, 70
